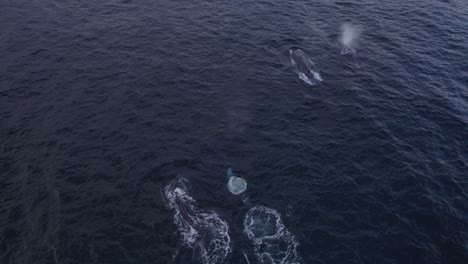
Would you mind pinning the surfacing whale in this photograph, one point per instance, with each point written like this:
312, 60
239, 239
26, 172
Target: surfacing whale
349, 54
304, 66
348, 50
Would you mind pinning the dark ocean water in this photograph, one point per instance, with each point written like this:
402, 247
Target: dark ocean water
101, 101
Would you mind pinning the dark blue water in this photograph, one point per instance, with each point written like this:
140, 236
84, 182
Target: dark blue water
101, 100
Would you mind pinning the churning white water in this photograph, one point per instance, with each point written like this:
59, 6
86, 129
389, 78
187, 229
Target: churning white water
202, 231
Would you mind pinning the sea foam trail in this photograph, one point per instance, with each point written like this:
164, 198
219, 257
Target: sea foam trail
202, 231
272, 242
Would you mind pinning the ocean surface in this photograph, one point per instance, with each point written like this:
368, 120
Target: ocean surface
120, 118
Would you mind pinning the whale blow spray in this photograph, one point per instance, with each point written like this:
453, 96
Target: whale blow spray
349, 34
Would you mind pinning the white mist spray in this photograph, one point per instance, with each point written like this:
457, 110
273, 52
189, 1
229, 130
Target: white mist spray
349, 34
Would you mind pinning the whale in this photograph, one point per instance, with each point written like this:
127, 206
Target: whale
304, 66
347, 50
349, 54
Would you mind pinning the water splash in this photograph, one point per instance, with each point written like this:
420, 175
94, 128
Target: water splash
236, 185
315, 71
349, 35
202, 231
273, 243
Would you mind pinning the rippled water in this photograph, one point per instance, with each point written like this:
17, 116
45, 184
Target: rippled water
98, 99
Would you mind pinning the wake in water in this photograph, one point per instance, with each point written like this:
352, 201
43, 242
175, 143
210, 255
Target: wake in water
202, 231
272, 242
349, 35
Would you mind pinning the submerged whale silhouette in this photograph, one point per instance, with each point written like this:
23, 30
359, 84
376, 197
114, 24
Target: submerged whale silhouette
304, 66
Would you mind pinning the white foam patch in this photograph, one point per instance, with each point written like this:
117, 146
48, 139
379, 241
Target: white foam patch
317, 76
306, 79
236, 185
272, 242
202, 231
314, 70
